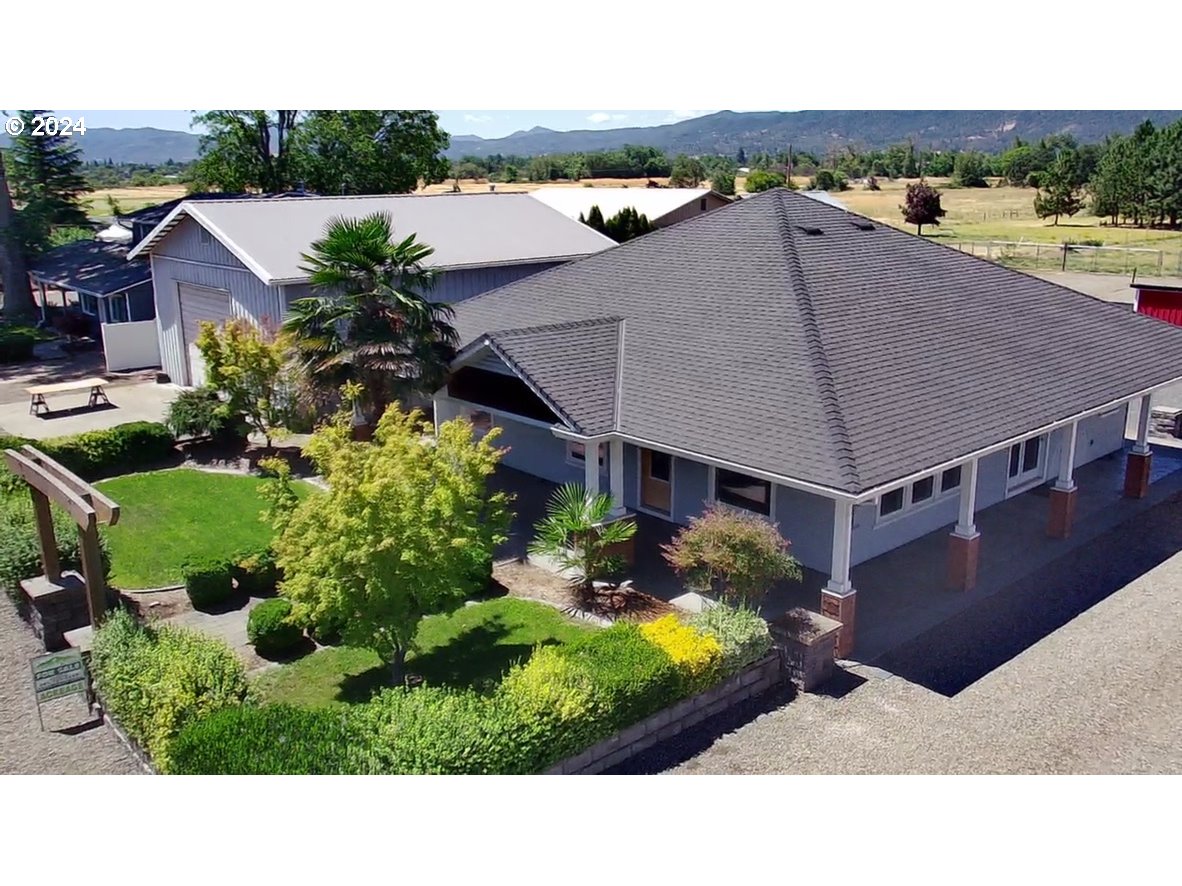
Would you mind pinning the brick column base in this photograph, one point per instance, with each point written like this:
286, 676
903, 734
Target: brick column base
842, 608
1137, 474
1062, 512
962, 561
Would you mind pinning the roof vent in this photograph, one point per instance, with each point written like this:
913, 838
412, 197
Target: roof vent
811, 231
861, 224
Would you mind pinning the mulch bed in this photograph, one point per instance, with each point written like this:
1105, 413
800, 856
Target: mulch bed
525, 580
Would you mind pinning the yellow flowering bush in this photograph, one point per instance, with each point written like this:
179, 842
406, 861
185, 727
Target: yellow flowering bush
698, 656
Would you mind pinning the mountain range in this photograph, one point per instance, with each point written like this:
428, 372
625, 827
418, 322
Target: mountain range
817, 131
721, 133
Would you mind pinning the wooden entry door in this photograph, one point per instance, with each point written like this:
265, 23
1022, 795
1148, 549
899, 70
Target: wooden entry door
656, 481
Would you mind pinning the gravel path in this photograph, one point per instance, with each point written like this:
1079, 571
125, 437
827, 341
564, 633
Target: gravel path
1007, 688
24, 748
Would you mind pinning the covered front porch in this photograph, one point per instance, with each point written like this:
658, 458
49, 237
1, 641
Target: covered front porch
905, 591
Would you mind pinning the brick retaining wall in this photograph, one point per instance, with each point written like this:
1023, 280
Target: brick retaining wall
663, 725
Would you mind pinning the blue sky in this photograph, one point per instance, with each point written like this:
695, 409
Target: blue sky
488, 124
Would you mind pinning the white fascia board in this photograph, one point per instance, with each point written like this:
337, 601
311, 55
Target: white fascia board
238, 252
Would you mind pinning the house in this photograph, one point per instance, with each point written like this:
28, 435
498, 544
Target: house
860, 386
115, 295
216, 259
1159, 297
662, 206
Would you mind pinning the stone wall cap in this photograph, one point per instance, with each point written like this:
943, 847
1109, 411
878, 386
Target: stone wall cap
43, 586
805, 625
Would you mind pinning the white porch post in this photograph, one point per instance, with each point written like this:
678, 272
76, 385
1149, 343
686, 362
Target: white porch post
1141, 447
1066, 479
591, 468
615, 460
843, 529
965, 527
839, 601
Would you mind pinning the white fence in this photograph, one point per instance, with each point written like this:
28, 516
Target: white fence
131, 345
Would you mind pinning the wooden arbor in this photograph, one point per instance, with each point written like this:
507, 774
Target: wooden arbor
48, 481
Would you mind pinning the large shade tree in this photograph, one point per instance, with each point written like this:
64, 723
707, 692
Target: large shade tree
369, 321
18, 295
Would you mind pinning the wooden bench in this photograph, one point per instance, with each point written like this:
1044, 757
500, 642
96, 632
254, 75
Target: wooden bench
37, 393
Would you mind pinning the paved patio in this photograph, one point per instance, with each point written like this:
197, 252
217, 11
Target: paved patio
130, 401
903, 593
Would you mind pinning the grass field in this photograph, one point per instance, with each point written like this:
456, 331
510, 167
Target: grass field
472, 647
168, 516
130, 199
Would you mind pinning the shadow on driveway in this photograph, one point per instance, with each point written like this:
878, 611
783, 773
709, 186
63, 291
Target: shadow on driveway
966, 647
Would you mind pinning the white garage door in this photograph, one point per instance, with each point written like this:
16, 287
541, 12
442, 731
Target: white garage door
197, 304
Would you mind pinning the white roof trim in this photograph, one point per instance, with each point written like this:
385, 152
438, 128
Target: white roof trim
174, 218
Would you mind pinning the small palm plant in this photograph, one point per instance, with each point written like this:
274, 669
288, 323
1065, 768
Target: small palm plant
576, 535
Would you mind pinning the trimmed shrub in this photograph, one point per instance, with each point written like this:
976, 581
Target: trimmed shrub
20, 548
154, 681
118, 450
199, 413
208, 580
632, 677
698, 656
271, 740
270, 630
16, 343
256, 572
741, 632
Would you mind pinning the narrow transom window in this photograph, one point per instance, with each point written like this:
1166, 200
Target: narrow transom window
950, 479
922, 490
660, 466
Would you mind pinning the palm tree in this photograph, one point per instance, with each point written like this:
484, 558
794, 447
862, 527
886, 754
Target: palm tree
369, 321
577, 536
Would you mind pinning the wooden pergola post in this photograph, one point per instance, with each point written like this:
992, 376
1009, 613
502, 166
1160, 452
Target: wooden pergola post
50, 482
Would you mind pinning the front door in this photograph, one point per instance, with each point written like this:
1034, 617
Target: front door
656, 481
1027, 464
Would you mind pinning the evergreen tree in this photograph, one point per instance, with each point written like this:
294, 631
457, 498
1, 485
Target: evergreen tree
46, 181
18, 295
1061, 191
741, 157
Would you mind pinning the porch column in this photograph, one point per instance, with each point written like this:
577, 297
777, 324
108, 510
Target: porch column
1064, 491
965, 541
838, 598
591, 468
44, 307
615, 461
1140, 459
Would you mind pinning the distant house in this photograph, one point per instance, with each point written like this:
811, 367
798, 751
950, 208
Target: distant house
858, 385
1159, 297
214, 259
662, 206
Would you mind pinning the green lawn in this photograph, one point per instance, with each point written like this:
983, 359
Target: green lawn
168, 516
473, 646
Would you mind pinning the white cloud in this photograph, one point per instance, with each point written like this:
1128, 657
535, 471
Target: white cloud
678, 116
477, 118
605, 117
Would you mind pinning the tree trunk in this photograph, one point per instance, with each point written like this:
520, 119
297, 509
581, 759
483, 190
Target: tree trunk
919, 230
18, 292
398, 667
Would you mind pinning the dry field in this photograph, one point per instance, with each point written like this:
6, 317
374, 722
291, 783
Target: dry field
131, 199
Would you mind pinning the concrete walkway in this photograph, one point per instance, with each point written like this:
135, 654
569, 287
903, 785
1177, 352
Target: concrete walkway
1097, 694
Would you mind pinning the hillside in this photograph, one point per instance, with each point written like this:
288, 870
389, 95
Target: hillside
144, 145
727, 131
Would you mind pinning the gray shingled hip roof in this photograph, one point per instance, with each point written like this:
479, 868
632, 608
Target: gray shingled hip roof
801, 340
91, 266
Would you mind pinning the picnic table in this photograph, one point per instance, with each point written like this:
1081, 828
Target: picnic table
37, 392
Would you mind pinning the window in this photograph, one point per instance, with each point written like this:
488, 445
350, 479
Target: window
117, 309
950, 479
481, 422
891, 502
1025, 460
922, 490
741, 491
88, 303
205, 237
702, 205
576, 453
660, 466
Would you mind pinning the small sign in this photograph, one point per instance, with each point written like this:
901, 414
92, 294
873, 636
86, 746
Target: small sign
58, 674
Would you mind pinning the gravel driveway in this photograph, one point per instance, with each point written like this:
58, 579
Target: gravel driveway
1007, 686
24, 748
